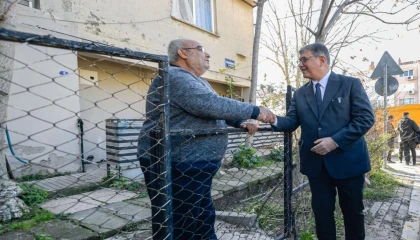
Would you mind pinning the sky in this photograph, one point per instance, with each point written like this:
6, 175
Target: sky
396, 39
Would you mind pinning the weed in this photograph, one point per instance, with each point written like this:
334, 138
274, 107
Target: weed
33, 195
28, 220
119, 183
277, 155
43, 236
246, 157
37, 176
382, 186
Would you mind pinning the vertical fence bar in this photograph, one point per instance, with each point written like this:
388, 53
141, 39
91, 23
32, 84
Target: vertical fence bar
163, 72
385, 111
288, 146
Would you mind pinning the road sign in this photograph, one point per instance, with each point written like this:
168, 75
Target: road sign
393, 68
392, 84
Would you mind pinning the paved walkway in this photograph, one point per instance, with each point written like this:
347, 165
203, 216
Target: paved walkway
399, 217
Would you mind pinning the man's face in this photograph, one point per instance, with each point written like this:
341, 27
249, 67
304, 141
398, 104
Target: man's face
310, 66
198, 59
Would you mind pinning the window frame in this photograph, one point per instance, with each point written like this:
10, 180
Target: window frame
194, 24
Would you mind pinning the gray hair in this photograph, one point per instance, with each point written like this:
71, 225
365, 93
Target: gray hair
173, 47
317, 49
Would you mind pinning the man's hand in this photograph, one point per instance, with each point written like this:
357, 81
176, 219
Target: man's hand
252, 127
324, 146
266, 116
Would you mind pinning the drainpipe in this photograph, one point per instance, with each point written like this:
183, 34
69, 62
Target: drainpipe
80, 125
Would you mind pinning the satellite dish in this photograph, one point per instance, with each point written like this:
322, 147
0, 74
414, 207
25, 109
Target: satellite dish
392, 86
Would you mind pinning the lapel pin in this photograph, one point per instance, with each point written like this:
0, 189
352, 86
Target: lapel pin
339, 100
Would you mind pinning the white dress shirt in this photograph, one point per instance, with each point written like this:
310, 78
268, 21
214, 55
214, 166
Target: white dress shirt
323, 82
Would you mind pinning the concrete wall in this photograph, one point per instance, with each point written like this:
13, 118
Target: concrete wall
43, 106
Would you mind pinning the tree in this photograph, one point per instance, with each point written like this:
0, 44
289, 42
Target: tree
7, 50
255, 52
336, 24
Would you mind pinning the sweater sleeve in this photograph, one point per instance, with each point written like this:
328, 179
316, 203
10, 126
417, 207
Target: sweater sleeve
194, 97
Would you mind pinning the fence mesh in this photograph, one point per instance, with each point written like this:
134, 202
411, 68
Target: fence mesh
72, 113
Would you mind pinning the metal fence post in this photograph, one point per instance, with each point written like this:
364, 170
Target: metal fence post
166, 157
288, 168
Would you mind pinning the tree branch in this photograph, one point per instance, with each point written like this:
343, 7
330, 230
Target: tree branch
408, 21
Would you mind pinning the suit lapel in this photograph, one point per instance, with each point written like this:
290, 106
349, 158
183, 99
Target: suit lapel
333, 84
310, 97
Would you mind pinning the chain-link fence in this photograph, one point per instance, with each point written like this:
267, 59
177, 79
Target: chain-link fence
72, 117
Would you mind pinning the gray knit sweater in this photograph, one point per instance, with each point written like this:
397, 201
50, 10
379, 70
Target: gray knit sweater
193, 105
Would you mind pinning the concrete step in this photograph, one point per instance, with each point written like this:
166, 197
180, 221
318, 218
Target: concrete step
88, 200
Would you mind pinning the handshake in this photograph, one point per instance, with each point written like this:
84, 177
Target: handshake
266, 116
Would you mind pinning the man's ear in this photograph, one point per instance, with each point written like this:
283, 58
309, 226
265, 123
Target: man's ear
181, 54
323, 60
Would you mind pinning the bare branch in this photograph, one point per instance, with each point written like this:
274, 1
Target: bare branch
408, 21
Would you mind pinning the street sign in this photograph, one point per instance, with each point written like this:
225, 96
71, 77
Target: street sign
393, 68
392, 84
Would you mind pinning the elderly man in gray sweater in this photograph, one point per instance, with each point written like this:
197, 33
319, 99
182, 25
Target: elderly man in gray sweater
195, 159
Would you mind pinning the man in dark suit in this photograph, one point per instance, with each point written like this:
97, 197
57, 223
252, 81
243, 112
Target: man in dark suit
408, 129
334, 113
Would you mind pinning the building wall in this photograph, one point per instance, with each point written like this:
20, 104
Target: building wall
50, 137
406, 85
148, 26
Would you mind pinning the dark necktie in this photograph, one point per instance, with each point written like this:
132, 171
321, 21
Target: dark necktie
318, 95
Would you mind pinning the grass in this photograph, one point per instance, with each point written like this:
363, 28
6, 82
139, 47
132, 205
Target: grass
28, 220
37, 176
382, 186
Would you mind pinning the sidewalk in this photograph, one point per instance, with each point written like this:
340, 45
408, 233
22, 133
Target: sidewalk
398, 217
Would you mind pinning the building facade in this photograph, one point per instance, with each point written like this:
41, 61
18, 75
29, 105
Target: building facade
409, 84
43, 118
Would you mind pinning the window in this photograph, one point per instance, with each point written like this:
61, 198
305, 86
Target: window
196, 12
30, 3
405, 101
408, 73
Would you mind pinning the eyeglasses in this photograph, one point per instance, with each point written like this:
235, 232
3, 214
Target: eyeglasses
303, 59
199, 48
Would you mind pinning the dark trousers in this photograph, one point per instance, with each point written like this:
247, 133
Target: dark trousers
194, 214
391, 148
409, 146
401, 152
350, 194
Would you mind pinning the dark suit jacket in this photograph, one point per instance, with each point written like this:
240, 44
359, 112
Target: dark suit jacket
407, 128
345, 116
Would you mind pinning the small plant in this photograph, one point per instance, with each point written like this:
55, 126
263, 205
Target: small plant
43, 236
33, 195
134, 186
246, 157
382, 186
142, 195
119, 183
28, 220
277, 155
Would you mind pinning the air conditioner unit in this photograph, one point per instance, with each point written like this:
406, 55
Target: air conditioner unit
411, 91
409, 78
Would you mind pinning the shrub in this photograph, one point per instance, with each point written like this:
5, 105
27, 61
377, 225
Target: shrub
246, 157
